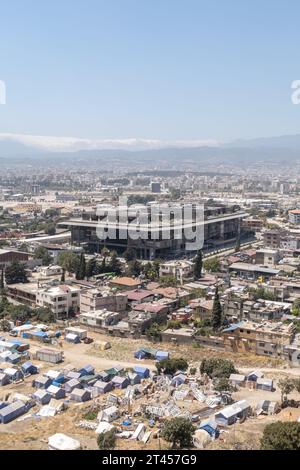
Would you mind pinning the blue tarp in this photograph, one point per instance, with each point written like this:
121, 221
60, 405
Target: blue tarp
161, 355
141, 371
87, 370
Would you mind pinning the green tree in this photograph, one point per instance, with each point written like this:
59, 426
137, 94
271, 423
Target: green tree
134, 268
170, 366
130, 254
216, 311
15, 273
107, 440
69, 261
198, 264
2, 279
42, 253
217, 367
20, 313
91, 268
44, 315
114, 263
63, 275
50, 229
153, 333
4, 325
81, 269
168, 281
222, 384
212, 265
286, 386
179, 432
281, 436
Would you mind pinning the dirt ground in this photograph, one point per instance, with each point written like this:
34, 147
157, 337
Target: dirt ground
33, 433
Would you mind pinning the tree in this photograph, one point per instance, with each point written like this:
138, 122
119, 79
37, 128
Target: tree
42, 253
134, 268
297, 384
217, 368
281, 436
129, 254
286, 386
69, 261
91, 268
153, 333
107, 440
50, 229
222, 385
81, 269
5, 325
168, 281
45, 315
21, 313
170, 366
15, 273
212, 265
179, 431
114, 264
2, 279
216, 311
63, 276
198, 262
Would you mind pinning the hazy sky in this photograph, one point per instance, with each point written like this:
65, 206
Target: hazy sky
157, 69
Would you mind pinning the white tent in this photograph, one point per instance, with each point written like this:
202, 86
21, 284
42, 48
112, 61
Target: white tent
63, 442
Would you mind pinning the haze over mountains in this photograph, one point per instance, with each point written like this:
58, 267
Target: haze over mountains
270, 150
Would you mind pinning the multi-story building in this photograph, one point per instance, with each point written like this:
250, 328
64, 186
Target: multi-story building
62, 299
266, 338
166, 234
102, 298
294, 216
181, 270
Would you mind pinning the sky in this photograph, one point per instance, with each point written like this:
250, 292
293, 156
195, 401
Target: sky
150, 69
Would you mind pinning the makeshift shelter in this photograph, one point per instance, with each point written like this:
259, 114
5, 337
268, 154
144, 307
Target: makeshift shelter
210, 426
143, 372
139, 432
160, 355
42, 396
109, 414
253, 376
178, 380
87, 370
267, 407
264, 384
62, 442
73, 375
80, 395
4, 379
71, 384
104, 376
145, 353
12, 411
102, 345
134, 378
14, 374
237, 380
29, 369
72, 338
104, 427
56, 392
103, 387
41, 381
232, 413
120, 382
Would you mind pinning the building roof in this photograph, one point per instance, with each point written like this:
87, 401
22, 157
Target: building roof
125, 281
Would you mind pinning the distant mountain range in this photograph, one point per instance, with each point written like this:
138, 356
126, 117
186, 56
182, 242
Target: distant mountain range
271, 150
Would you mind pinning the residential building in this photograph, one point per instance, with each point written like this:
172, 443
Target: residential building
102, 298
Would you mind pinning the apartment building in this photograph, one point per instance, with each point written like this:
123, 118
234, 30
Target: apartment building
62, 299
102, 298
264, 339
182, 270
294, 216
